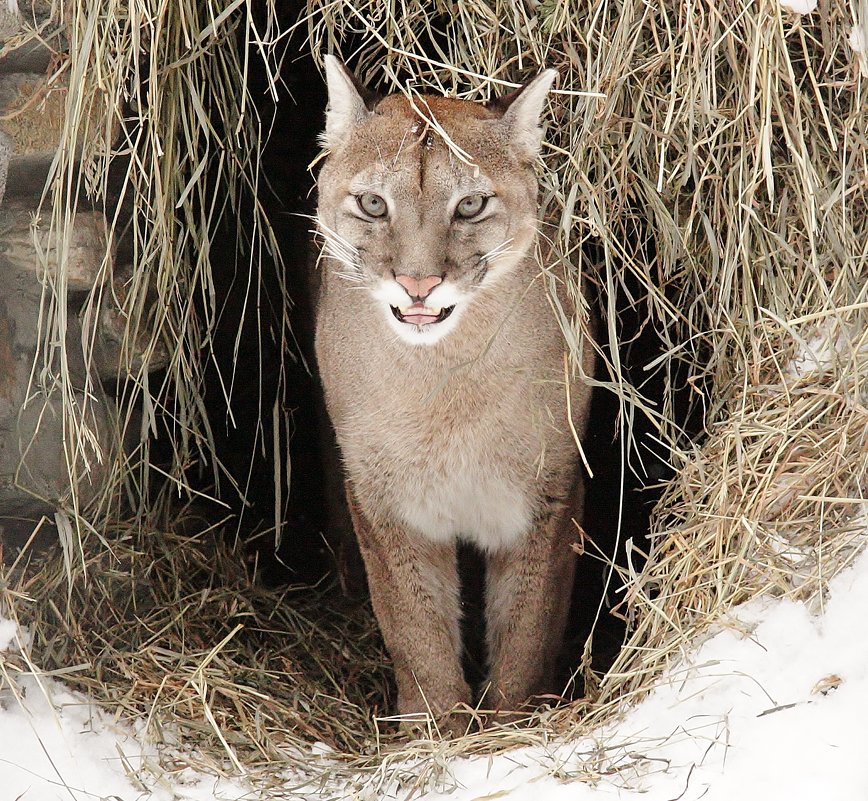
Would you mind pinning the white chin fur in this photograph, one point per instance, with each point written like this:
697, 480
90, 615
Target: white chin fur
390, 293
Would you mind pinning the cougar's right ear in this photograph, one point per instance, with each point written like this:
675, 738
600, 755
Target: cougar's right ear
349, 103
521, 112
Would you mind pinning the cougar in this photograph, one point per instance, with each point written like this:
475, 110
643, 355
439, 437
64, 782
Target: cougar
443, 368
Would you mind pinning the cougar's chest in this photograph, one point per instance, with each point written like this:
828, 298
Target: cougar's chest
468, 498
458, 461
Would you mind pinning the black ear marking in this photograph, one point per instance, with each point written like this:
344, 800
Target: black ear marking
501, 103
369, 96
521, 111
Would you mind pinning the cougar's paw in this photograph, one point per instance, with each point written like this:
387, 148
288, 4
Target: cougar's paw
453, 725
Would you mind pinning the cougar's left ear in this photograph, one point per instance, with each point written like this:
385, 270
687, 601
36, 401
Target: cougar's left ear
522, 110
349, 103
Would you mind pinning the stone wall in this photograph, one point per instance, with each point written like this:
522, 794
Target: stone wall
58, 438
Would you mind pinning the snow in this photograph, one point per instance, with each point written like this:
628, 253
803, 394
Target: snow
54, 744
800, 6
830, 346
858, 41
771, 704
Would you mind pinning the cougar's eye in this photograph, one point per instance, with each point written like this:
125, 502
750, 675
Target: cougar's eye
373, 205
471, 206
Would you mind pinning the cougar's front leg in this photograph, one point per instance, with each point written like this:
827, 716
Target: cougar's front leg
415, 592
528, 592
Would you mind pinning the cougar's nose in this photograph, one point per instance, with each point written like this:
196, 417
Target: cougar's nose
416, 287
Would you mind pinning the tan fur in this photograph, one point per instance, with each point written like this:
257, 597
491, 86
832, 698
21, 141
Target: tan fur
465, 436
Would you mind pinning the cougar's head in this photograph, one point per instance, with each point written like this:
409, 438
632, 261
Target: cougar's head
425, 202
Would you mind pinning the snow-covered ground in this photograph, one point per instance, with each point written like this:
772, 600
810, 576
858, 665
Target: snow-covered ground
773, 704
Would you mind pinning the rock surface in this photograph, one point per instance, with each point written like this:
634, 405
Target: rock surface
57, 438
5, 157
123, 342
50, 445
28, 244
33, 437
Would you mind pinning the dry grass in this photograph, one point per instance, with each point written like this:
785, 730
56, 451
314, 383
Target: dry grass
714, 155
173, 629
172, 149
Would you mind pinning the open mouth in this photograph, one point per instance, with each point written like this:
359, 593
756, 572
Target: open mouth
419, 314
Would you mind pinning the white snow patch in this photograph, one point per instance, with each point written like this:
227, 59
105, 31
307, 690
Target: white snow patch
800, 6
773, 705
858, 39
7, 635
828, 347
816, 355
55, 744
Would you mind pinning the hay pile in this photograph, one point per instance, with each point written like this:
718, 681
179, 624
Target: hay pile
706, 162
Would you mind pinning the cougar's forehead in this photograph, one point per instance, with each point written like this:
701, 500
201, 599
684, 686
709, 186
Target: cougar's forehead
399, 136
449, 111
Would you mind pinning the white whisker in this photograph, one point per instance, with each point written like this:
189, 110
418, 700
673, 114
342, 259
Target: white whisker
353, 278
497, 251
331, 236
339, 249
